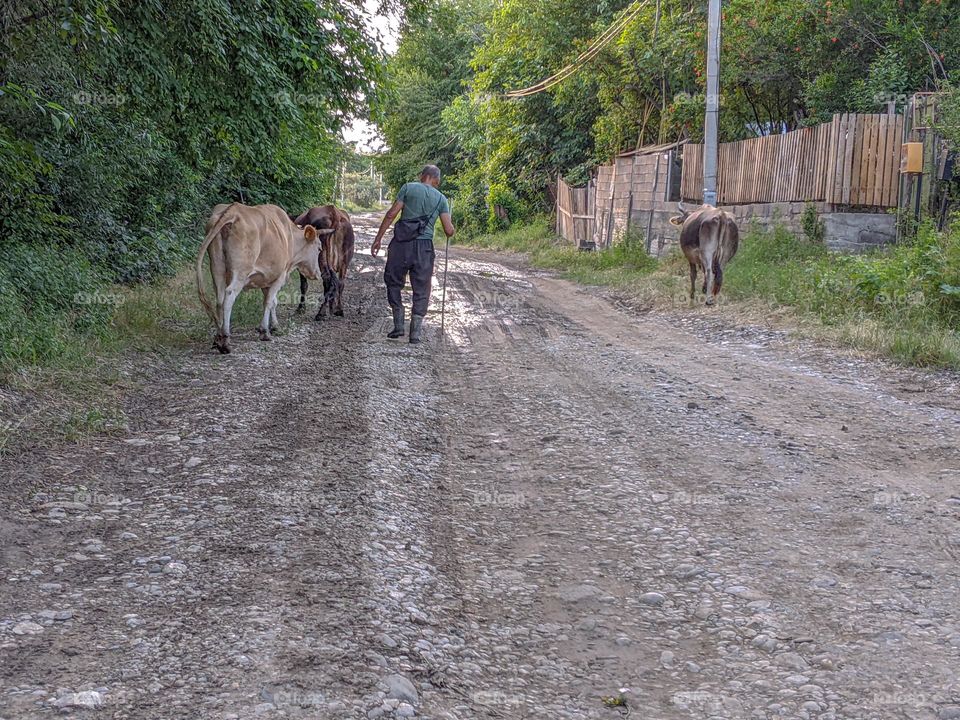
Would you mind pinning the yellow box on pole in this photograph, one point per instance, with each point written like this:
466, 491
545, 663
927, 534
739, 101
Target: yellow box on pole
911, 159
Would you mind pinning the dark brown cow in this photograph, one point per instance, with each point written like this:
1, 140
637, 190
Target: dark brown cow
709, 239
336, 251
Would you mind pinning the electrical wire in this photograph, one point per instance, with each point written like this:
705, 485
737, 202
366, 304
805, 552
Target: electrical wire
586, 56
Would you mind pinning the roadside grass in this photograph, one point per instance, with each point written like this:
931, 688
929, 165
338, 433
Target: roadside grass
619, 266
901, 302
75, 388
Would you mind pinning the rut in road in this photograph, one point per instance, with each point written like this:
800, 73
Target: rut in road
561, 502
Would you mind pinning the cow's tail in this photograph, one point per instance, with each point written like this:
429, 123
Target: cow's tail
724, 254
717, 272
219, 227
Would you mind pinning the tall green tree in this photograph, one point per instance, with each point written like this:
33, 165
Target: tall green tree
123, 121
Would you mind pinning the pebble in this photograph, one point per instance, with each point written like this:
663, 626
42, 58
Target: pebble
653, 598
88, 699
27, 628
401, 688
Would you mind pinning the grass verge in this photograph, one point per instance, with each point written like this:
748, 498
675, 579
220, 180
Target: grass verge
901, 302
75, 388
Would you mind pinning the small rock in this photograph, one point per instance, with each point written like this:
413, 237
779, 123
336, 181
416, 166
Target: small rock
402, 689
653, 598
86, 699
793, 660
60, 615
192, 462
174, 568
27, 628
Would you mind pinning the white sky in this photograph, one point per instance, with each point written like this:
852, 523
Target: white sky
359, 130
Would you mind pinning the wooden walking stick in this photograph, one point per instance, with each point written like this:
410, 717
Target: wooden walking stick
443, 295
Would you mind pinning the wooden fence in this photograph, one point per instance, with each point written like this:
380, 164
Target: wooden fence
602, 212
575, 213
854, 160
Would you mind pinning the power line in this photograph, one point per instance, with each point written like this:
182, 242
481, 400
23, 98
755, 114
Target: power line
586, 56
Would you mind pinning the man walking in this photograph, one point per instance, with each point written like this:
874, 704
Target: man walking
411, 250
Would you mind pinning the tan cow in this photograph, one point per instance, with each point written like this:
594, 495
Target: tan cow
253, 247
709, 238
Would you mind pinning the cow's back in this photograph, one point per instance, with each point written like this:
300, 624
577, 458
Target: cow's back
257, 241
336, 249
690, 232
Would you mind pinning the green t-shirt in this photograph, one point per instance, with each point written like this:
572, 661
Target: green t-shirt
418, 200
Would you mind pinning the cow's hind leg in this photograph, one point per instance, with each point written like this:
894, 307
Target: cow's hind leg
330, 285
693, 281
304, 285
269, 309
272, 312
230, 295
340, 284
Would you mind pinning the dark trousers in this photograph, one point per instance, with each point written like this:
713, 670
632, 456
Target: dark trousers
414, 257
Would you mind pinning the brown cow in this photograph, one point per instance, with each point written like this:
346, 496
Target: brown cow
336, 251
252, 247
709, 238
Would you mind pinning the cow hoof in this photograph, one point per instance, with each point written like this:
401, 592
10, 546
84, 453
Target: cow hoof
223, 348
339, 313
320, 316
711, 301
265, 336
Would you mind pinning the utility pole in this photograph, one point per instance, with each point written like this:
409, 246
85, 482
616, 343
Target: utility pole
711, 123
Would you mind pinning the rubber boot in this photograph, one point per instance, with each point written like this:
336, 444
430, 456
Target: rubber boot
416, 325
398, 330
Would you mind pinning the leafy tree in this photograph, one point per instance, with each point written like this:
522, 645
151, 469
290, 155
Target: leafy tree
123, 121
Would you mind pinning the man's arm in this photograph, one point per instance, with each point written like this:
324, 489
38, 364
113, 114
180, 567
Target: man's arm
387, 222
447, 223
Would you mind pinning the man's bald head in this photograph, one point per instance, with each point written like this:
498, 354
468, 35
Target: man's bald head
430, 175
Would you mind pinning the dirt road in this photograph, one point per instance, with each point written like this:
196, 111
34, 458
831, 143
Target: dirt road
563, 502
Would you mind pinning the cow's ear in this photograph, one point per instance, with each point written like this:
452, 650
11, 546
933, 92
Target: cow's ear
677, 221
309, 233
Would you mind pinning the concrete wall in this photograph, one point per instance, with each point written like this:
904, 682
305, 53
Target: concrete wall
857, 232
844, 231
